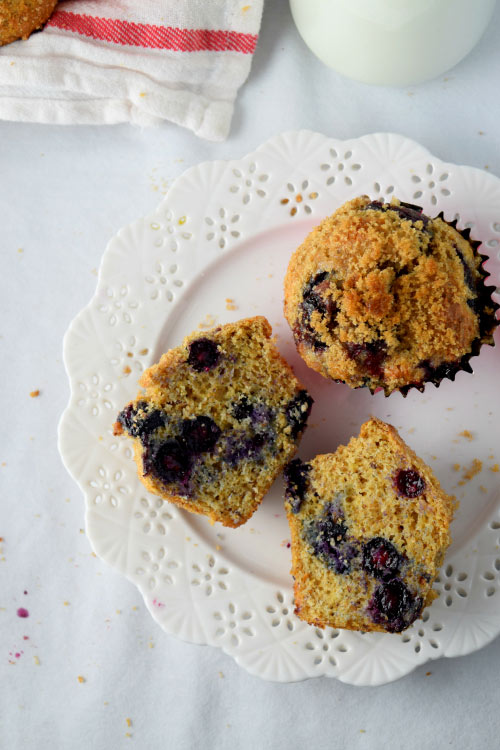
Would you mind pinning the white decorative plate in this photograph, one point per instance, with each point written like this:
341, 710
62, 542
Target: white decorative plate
225, 231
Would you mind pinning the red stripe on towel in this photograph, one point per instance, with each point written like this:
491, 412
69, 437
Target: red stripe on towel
153, 37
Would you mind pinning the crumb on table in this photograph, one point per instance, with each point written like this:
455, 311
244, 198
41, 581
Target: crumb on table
209, 321
475, 468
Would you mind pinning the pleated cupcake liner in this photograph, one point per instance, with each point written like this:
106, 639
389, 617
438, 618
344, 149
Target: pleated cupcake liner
485, 308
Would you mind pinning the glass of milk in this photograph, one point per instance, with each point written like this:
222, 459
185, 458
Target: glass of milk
391, 42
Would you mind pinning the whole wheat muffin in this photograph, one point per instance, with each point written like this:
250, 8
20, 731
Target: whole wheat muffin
217, 420
370, 528
380, 295
19, 18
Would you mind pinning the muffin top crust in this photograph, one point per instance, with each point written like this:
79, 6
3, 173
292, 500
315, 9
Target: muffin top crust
381, 295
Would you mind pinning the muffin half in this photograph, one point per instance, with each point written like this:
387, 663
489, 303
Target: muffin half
217, 420
370, 528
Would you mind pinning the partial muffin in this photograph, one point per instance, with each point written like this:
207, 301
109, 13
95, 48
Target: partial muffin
370, 528
217, 420
380, 295
19, 18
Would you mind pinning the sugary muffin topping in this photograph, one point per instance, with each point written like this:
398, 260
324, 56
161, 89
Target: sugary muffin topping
381, 295
218, 419
370, 526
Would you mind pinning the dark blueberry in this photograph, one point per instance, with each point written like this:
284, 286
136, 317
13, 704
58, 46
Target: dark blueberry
468, 275
203, 354
200, 434
339, 558
296, 482
170, 462
411, 212
370, 356
138, 422
393, 606
374, 206
242, 409
329, 539
297, 411
258, 413
408, 211
313, 301
240, 447
409, 483
381, 559
315, 281
331, 528
305, 333
345, 554
127, 419
261, 414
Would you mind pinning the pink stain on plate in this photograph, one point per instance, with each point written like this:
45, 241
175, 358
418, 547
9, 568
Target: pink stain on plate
22, 612
158, 604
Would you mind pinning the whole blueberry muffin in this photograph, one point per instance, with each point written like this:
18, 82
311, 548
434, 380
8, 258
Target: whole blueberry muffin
19, 18
370, 528
217, 420
380, 295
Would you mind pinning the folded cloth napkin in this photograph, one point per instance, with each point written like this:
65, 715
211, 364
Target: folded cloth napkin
143, 61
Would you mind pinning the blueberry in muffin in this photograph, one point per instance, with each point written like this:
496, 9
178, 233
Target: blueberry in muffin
217, 420
370, 528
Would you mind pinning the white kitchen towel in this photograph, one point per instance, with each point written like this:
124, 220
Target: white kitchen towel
141, 61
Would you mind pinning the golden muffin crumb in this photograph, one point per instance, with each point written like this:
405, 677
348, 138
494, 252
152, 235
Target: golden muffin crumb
370, 528
216, 421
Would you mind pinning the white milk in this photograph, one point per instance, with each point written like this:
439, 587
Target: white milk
391, 42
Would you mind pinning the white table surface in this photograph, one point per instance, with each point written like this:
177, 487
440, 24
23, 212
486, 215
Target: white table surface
64, 192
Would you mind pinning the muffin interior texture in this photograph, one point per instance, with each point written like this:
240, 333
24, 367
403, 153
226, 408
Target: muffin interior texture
216, 421
383, 296
370, 527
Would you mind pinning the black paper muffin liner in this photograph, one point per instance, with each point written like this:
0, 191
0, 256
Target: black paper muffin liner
484, 307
